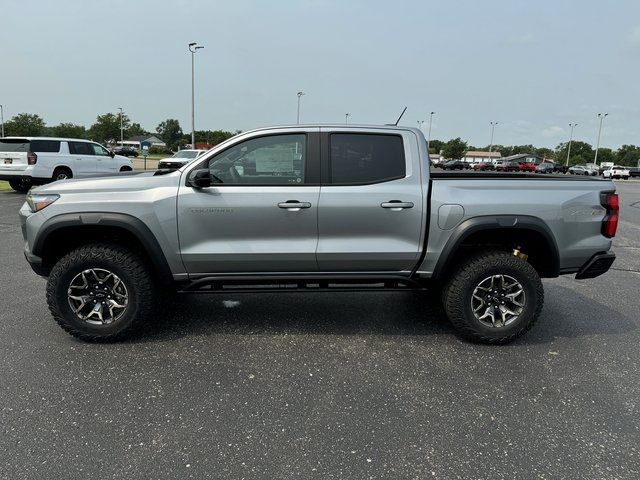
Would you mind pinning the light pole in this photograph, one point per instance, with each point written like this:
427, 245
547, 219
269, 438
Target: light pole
299, 94
572, 125
193, 48
1, 122
420, 123
346, 118
601, 117
493, 128
121, 130
430, 122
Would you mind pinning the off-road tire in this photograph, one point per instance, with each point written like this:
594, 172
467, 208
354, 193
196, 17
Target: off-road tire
20, 185
460, 287
124, 263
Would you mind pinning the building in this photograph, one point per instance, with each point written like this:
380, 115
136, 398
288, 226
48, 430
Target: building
436, 159
523, 158
474, 156
139, 141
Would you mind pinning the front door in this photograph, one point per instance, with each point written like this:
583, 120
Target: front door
262, 217
84, 162
371, 210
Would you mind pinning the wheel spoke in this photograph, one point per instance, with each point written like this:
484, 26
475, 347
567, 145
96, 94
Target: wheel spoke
98, 306
498, 300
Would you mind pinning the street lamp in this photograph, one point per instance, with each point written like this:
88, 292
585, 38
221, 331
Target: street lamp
299, 94
493, 128
430, 122
193, 48
420, 123
346, 118
601, 117
572, 125
121, 130
1, 122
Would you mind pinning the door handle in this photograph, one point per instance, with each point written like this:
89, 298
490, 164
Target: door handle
294, 205
396, 205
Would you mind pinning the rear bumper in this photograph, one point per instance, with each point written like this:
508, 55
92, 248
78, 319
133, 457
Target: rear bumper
596, 265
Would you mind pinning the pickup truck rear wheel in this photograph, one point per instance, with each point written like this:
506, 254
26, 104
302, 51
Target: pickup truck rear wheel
100, 292
494, 297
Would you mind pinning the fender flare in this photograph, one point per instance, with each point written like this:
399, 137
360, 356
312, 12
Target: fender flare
133, 225
497, 222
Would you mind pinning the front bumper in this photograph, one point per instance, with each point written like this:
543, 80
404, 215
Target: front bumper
596, 265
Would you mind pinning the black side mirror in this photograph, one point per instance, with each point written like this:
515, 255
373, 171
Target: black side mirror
202, 178
112, 153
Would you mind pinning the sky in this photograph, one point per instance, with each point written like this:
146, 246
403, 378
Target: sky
532, 66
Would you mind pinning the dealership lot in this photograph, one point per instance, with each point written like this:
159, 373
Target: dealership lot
341, 385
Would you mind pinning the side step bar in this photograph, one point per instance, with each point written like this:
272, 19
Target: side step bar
300, 283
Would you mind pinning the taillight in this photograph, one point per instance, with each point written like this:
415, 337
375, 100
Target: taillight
611, 202
32, 158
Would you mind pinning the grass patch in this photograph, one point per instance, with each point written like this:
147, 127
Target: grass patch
4, 187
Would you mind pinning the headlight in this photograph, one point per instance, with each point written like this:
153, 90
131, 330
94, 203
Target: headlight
39, 201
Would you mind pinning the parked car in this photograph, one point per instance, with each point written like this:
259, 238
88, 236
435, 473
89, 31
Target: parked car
27, 161
546, 167
579, 170
483, 166
274, 209
634, 172
126, 151
455, 165
527, 166
617, 172
180, 159
507, 166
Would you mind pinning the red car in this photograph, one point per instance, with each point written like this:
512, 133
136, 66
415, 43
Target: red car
484, 166
527, 167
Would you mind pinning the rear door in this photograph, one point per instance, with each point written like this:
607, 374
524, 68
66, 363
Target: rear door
371, 210
84, 162
104, 162
263, 217
13, 154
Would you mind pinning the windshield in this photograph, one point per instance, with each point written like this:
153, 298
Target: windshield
186, 154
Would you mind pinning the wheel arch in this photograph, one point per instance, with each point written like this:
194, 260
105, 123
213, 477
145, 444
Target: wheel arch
506, 232
62, 233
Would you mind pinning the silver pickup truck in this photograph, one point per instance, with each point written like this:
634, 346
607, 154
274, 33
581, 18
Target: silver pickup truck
320, 207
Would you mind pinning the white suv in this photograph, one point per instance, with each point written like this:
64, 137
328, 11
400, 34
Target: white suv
617, 172
26, 161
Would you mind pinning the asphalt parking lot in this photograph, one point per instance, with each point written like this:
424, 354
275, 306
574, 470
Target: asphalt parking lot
316, 385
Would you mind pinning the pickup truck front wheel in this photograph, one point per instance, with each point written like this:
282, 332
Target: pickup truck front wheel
494, 297
100, 292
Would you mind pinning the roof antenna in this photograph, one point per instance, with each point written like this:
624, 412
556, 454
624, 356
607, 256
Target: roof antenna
405, 109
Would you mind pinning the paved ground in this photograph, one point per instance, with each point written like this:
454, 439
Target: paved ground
347, 385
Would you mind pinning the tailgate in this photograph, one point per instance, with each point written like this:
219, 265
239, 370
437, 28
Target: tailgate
14, 154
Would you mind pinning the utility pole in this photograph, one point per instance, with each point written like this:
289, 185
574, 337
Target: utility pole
1, 121
601, 117
300, 94
346, 118
572, 125
121, 130
193, 48
493, 128
430, 122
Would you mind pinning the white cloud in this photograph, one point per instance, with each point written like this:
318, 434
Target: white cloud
634, 36
553, 132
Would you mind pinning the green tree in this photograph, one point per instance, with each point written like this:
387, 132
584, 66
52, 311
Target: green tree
212, 137
107, 127
544, 152
170, 132
134, 130
581, 152
628, 155
68, 130
605, 155
454, 148
435, 146
24, 124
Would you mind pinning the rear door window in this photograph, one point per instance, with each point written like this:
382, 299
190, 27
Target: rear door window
45, 146
358, 159
80, 148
